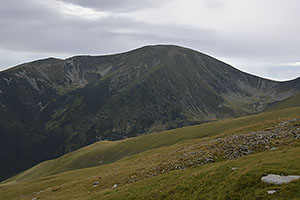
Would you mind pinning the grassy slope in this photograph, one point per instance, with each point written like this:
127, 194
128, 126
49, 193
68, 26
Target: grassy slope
291, 102
219, 181
211, 181
107, 152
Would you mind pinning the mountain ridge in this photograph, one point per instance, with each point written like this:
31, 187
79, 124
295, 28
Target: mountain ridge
136, 49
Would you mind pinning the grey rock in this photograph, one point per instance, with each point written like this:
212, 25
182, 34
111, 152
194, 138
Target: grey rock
271, 191
279, 179
96, 183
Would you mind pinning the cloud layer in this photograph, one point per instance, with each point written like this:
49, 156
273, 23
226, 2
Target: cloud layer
260, 37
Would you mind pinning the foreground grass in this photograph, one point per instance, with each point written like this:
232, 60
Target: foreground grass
219, 181
210, 181
106, 152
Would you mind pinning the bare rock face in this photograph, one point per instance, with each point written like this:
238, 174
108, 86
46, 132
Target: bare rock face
279, 179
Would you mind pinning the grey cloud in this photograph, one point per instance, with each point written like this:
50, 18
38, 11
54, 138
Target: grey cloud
115, 5
47, 31
214, 3
57, 34
24, 10
92, 37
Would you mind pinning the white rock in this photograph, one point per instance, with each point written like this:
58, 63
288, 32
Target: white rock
271, 191
277, 179
115, 186
234, 168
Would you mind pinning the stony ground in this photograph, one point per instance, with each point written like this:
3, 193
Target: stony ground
226, 148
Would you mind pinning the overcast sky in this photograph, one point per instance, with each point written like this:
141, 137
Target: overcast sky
261, 37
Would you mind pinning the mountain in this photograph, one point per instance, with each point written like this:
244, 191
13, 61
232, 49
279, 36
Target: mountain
225, 159
50, 107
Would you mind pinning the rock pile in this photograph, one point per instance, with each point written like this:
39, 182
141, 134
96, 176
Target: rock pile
226, 148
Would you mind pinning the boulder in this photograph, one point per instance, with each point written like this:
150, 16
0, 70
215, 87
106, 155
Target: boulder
271, 191
278, 179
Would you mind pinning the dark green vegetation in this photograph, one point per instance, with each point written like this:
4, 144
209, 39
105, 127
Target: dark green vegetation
51, 107
147, 175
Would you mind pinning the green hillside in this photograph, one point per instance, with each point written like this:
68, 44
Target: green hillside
219, 181
291, 102
168, 165
107, 152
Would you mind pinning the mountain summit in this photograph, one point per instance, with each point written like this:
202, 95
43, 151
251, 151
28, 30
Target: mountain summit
52, 106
